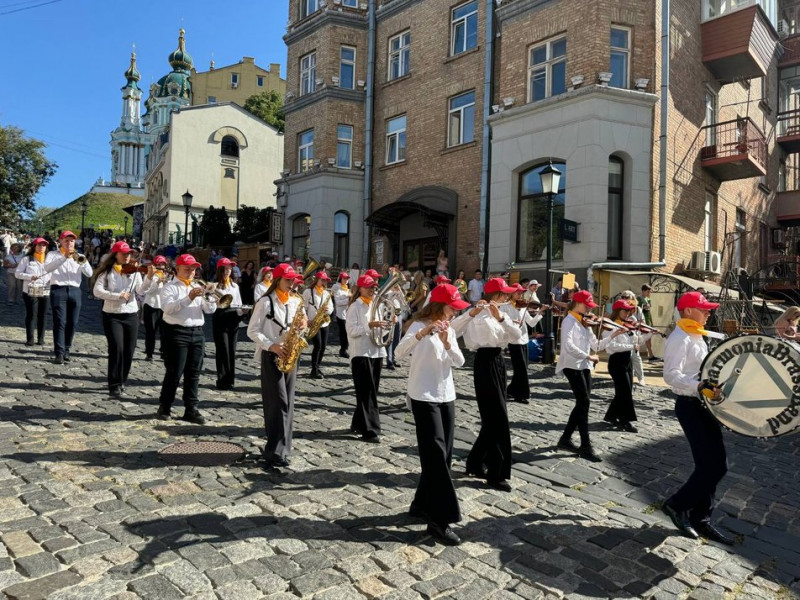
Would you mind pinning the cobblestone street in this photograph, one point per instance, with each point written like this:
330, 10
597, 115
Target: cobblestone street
90, 510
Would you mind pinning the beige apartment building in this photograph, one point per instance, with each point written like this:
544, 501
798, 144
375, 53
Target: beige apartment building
235, 83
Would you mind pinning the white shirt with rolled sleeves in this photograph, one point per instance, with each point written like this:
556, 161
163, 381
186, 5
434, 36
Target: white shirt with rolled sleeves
430, 375
65, 271
152, 292
683, 355
625, 343
260, 289
359, 333
265, 332
341, 297
523, 319
484, 331
578, 343
110, 286
236, 296
179, 309
314, 301
27, 269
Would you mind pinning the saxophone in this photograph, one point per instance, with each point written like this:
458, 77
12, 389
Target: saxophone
294, 343
321, 318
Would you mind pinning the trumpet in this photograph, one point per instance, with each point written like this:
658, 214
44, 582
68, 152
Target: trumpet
211, 294
78, 258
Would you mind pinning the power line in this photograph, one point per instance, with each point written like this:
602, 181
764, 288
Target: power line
16, 10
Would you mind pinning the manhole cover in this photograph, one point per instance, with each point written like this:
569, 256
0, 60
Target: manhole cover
202, 454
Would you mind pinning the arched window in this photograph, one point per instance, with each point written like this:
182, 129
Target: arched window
532, 221
301, 228
230, 147
616, 215
341, 239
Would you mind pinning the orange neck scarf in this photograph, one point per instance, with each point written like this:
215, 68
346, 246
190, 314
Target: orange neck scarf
577, 316
344, 286
226, 282
282, 296
319, 289
118, 269
39, 256
186, 282
63, 251
691, 327
366, 300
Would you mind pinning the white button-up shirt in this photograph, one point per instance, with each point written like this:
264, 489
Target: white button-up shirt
475, 290
181, 310
625, 343
341, 297
236, 296
314, 301
430, 375
65, 271
259, 290
522, 318
359, 333
152, 292
109, 287
484, 331
29, 268
683, 355
265, 331
577, 344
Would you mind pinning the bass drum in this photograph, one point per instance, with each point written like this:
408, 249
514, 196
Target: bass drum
760, 380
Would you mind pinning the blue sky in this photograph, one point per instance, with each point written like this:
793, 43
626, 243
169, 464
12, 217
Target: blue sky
62, 64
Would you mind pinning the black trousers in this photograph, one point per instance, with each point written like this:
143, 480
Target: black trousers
520, 387
225, 325
343, 343
710, 461
183, 356
620, 367
581, 384
121, 333
366, 379
398, 333
436, 494
152, 325
492, 448
319, 344
277, 398
35, 316
66, 303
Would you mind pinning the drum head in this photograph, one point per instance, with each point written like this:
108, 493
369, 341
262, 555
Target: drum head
760, 380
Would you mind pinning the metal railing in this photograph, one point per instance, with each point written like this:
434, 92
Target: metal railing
735, 138
789, 122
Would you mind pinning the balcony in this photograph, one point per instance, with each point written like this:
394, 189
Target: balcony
735, 150
789, 131
787, 208
739, 45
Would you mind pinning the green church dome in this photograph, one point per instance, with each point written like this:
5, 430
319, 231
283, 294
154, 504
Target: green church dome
180, 59
132, 75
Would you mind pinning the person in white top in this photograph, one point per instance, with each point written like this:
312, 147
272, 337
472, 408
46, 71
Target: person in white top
438, 280
65, 293
365, 360
579, 346
225, 325
475, 287
487, 331
621, 411
151, 312
117, 285
272, 319
691, 506
519, 390
434, 351
185, 304
13, 285
638, 316
263, 281
341, 298
35, 289
318, 298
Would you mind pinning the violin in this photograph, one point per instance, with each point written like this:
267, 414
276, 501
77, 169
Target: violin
642, 328
130, 269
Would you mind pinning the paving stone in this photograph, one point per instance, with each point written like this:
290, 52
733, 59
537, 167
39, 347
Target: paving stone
37, 565
241, 590
155, 586
315, 582
38, 589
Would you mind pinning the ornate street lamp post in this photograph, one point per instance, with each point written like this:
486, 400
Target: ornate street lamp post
551, 178
187, 204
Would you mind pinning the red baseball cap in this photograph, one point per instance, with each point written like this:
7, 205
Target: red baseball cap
519, 287
160, 260
284, 271
695, 300
65, 234
344, 275
440, 279
39, 240
498, 284
373, 273
266, 269
225, 262
187, 260
448, 294
366, 281
584, 297
323, 275
121, 247
622, 305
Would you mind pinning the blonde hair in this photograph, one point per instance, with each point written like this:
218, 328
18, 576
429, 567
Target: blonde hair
790, 314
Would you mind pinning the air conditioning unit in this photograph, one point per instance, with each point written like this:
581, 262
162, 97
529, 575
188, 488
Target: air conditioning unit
706, 262
335, 79
234, 85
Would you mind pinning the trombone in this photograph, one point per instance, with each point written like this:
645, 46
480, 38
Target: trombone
211, 294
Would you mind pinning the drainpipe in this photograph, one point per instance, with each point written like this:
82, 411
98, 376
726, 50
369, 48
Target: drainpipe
662, 141
486, 149
368, 130
619, 265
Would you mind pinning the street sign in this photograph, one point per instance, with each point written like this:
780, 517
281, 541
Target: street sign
276, 227
569, 230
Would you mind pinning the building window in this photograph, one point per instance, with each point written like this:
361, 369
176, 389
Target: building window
344, 146
620, 57
738, 247
341, 243
301, 229
212, 99
308, 7
548, 69
305, 151
615, 207
230, 147
711, 117
234, 79
350, 3
347, 68
396, 140
399, 47
230, 173
719, 8
308, 73
260, 80
464, 28
782, 176
532, 216
708, 222
461, 119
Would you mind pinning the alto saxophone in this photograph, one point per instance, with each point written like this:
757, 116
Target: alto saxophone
320, 319
294, 343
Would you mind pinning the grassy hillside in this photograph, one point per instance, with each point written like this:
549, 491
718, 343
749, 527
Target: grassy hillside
104, 212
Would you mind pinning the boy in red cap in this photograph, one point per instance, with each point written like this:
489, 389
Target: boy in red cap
690, 507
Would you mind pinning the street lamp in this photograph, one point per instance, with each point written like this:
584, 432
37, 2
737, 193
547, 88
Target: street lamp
187, 204
125, 220
84, 208
550, 178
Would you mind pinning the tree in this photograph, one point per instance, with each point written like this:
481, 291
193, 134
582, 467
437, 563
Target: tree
38, 221
215, 227
252, 224
267, 106
24, 169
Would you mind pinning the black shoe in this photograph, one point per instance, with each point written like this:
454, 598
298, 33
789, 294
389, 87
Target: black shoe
681, 521
371, 438
444, 534
59, 359
390, 366
149, 358
67, 357
501, 485
567, 444
588, 453
194, 416
115, 393
276, 461
164, 413
611, 420
479, 472
418, 513
629, 427
344, 354
708, 531
520, 400
40, 343
316, 375
29, 343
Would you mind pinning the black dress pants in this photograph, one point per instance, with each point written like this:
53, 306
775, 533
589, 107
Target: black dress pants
66, 303
366, 379
519, 388
35, 316
581, 384
319, 344
225, 325
710, 461
121, 332
152, 325
277, 399
492, 448
620, 367
436, 494
183, 356
343, 342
